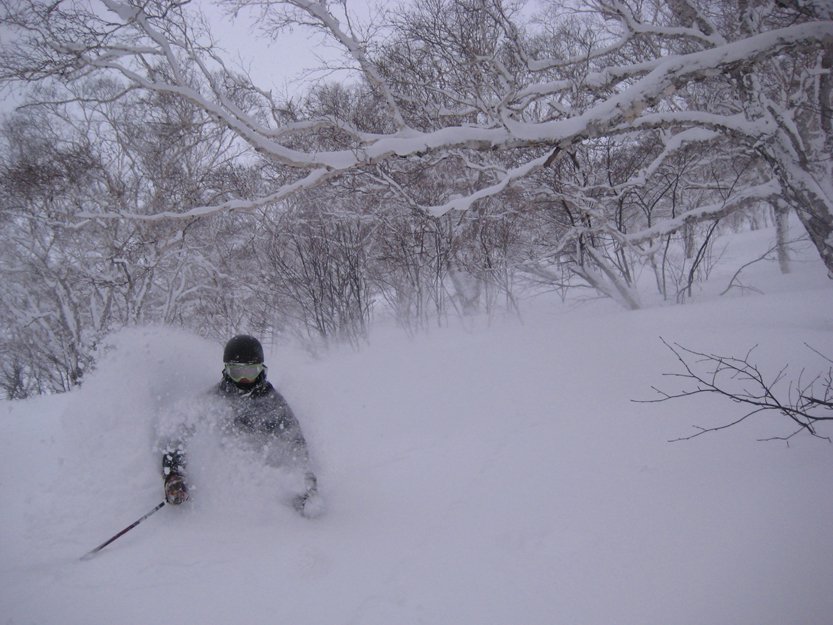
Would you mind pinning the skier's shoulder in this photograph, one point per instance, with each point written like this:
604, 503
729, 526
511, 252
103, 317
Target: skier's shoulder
265, 389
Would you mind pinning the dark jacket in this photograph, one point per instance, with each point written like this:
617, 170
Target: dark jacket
259, 411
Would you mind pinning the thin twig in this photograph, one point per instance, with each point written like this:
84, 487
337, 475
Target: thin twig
721, 375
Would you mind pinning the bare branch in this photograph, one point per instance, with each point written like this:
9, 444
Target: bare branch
735, 283
740, 381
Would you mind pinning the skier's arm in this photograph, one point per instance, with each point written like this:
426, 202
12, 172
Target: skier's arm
299, 455
173, 458
289, 429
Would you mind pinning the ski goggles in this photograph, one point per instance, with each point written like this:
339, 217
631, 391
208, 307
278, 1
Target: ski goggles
241, 371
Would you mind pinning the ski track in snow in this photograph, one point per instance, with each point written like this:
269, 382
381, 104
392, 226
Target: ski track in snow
496, 475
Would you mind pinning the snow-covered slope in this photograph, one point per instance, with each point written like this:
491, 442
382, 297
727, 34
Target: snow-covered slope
498, 475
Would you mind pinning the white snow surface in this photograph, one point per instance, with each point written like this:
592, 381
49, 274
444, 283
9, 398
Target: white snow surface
482, 476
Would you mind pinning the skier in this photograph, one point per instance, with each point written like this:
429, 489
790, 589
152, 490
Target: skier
258, 412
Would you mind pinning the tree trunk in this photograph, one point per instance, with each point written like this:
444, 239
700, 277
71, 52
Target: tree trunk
782, 233
814, 212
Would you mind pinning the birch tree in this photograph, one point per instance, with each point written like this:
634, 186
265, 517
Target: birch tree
71, 272
548, 110
640, 67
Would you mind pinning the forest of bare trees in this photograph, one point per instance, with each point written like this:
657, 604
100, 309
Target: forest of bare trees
481, 151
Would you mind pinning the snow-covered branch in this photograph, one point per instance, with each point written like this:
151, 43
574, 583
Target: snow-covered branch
765, 192
585, 138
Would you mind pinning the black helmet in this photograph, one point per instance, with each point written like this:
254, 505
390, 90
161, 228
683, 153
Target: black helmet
243, 349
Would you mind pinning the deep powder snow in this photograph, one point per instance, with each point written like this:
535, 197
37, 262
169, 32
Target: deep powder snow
498, 475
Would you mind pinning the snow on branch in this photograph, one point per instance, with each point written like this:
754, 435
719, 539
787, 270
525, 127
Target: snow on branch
464, 203
618, 92
312, 180
671, 145
623, 107
766, 191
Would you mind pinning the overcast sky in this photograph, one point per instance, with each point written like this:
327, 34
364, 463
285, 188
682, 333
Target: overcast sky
285, 63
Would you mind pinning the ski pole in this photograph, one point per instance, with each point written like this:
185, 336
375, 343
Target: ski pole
90, 554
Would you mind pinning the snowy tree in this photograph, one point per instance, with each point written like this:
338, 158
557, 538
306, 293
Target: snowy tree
480, 80
72, 270
46, 336
476, 144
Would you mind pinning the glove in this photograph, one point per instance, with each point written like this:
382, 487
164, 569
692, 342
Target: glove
310, 504
175, 490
